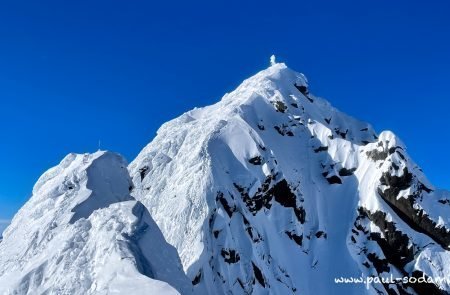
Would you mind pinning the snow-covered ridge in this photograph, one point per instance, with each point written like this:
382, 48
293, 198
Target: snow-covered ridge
269, 191
82, 233
272, 189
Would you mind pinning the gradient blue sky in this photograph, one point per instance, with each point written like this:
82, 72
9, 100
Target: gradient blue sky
74, 72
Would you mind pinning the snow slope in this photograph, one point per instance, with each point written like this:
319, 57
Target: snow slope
269, 191
273, 191
82, 233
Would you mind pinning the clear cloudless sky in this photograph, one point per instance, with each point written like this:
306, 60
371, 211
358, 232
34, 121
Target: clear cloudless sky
76, 72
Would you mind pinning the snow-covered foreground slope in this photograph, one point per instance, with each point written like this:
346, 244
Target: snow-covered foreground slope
274, 191
82, 233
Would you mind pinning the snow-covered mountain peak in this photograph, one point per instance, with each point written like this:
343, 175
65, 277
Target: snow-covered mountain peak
69, 184
274, 77
80, 184
272, 188
82, 233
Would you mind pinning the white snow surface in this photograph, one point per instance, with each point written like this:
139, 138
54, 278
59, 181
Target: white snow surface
82, 233
269, 191
206, 174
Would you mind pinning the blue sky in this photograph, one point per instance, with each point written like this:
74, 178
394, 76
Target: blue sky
75, 72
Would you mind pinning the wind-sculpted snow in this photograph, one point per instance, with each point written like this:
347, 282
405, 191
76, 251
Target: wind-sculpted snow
273, 191
269, 191
82, 233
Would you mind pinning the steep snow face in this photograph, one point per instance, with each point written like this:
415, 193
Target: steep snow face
82, 233
273, 191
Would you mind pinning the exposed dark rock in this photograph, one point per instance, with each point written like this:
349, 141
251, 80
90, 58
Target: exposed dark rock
395, 247
197, 278
255, 160
260, 200
417, 219
357, 224
216, 233
401, 156
220, 197
283, 194
241, 284
397, 183
320, 234
321, 149
364, 129
395, 166
346, 172
423, 287
143, 172
377, 155
328, 120
68, 184
261, 127
280, 191
394, 244
342, 134
254, 235
303, 89
300, 213
280, 106
280, 130
296, 238
422, 187
392, 150
334, 179
444, 201
381, 265
258, 275
230, 255
295, 105
248, 229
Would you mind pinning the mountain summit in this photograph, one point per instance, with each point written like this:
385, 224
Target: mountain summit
274, 191
269, 191
82, 233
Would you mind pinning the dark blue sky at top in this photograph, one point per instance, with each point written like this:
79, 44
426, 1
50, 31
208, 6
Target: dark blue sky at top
75, 72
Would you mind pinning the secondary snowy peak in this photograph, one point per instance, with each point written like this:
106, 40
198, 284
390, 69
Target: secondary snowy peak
272, 190
82, 233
